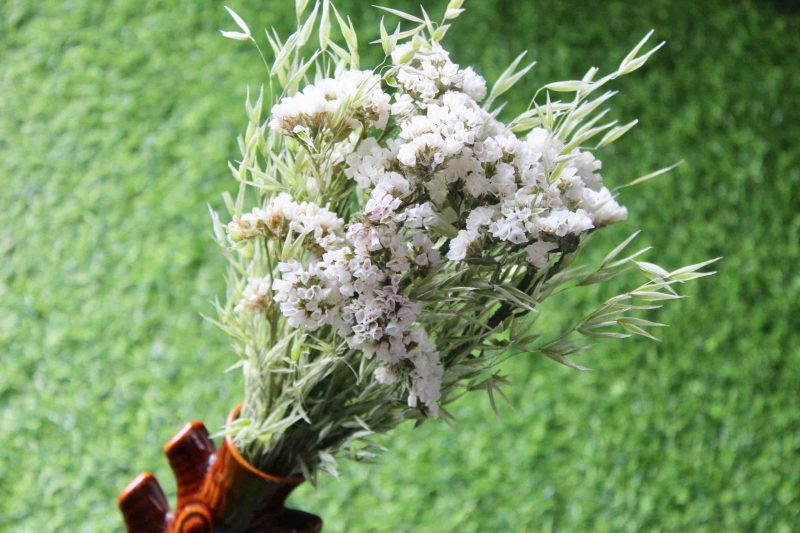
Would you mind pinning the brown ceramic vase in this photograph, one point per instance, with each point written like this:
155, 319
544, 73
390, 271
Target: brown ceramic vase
218, 491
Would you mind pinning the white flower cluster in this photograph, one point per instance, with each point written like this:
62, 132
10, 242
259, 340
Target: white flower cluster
356, 290
321, 228
355, 96
428, 75
255, 295
509, 189
450, 163
518, 194
306, 295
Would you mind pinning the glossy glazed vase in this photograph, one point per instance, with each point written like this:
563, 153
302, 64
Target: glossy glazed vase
218, 491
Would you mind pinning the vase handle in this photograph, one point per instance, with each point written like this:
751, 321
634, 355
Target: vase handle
143, 505
190, 453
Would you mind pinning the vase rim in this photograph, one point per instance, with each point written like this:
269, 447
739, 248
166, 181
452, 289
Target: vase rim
244, 463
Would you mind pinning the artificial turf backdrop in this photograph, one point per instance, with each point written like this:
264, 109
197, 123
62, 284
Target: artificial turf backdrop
116, 121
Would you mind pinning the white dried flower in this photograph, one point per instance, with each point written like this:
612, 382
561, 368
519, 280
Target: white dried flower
384, 374
354, 96
537, 253
255, 296
430, 73
460, 245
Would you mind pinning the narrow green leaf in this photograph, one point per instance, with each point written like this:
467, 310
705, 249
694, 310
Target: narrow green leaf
401, 14
616, 133
616, 251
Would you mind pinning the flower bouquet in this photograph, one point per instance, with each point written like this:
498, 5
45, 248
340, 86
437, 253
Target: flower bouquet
390, 242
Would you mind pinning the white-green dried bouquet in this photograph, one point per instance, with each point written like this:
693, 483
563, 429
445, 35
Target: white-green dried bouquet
392, 238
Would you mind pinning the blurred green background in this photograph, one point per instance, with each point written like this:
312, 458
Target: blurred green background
116, 122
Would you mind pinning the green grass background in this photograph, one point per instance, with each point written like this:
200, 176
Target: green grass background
116, 121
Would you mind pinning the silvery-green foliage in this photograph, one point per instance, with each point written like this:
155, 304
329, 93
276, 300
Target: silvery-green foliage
391, 239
